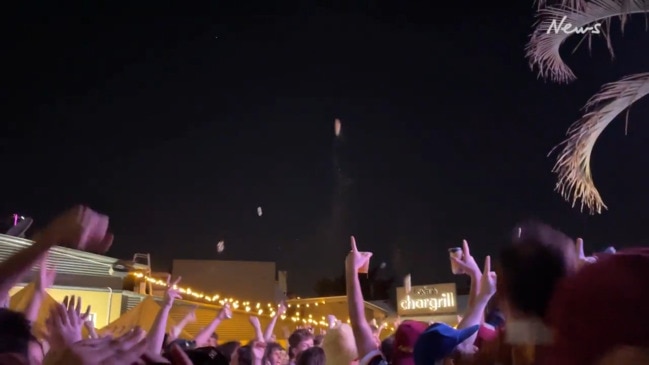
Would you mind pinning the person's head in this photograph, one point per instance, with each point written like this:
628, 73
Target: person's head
440, 344
598, 314
213, 341
339, 345
387, 347
299, 341
16, 336
243, 356
228, 349
274, 354
405, 338
183, 344
530, 268
312, 356
317, 340
207, 356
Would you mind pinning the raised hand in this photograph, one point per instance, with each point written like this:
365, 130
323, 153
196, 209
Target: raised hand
331, 320
174, 331
90, 327
582, 259
281, 309
191, 315
254, 321
258, 350
79, 228
225, 312
172, 293
467, 263
355, 259
127, 349
488, 280
64, 323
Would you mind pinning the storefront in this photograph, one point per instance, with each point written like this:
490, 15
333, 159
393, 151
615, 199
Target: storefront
429, 303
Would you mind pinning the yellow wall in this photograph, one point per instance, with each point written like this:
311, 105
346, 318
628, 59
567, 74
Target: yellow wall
97, 300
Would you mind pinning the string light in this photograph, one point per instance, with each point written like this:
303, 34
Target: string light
299, 317
246, 306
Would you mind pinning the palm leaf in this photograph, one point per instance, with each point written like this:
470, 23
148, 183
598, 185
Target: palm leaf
573, 164
543, 48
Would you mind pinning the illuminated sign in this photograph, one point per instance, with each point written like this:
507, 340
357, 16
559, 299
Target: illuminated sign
427, 300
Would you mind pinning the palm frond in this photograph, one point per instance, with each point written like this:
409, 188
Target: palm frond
543, 49
575, 180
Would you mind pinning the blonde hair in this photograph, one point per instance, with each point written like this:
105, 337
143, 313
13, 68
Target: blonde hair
339, 345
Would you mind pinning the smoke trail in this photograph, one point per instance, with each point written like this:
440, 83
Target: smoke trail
342, 184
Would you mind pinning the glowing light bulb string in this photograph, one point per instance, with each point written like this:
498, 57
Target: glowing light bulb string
241, 306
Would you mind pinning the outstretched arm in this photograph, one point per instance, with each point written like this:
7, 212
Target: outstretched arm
156, 335
202, 338
268, 334
362, 332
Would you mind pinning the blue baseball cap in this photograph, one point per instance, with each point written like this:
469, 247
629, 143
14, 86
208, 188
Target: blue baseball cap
438, 341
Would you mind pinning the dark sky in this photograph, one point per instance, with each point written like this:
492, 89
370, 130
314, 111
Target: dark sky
178, 121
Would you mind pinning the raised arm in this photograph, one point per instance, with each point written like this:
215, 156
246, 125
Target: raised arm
202, 338
80, 228
362, 332
268, 334
178, 328
43, 281
475, 313
156, 335
19, 264
470, 267
256, 325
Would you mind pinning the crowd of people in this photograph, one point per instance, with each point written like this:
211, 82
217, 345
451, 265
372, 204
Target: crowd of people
543, 302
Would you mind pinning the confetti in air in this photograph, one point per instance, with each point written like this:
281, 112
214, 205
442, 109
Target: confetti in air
259, 211
220, 246
337, 126
407, 283
383, 265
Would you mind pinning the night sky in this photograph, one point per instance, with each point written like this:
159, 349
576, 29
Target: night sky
178, 121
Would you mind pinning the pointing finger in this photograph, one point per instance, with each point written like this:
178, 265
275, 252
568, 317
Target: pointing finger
579, 245
465, 248
177, 281
353, 242
487, 265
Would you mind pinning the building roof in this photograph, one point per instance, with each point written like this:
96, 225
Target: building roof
66, 260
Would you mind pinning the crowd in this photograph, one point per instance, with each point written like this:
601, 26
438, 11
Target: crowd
542, 302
